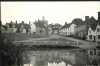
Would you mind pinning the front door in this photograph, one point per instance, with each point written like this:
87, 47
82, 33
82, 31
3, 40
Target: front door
26, 30
94, 38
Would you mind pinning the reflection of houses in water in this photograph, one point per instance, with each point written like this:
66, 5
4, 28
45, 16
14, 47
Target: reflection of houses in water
94, 56
72, 57
81, 57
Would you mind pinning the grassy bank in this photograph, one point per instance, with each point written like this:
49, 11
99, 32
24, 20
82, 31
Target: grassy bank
25, 36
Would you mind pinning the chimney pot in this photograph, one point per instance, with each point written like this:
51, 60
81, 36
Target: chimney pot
65, 23
99, 15
86, 18
16, 21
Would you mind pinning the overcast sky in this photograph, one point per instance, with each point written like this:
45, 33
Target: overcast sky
54, 12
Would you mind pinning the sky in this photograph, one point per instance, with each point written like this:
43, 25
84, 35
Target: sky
55, 12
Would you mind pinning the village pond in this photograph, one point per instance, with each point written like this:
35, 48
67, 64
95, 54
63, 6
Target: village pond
62, 57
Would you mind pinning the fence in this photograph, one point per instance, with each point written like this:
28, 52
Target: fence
61, 43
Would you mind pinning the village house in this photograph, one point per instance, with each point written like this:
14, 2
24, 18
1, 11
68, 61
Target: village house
94, 30
81, 30
18, 28
39, 27
49, 29
67, 29
55, 28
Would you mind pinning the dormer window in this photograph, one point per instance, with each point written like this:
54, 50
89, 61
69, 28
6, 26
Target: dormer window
22, 26
13, 26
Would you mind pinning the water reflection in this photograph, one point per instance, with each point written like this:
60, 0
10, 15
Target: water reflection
64, 57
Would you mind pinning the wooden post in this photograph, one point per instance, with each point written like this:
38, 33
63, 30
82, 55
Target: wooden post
67, 42
77, 43
34, 42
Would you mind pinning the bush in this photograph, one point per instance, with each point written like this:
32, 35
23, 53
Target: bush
11, 54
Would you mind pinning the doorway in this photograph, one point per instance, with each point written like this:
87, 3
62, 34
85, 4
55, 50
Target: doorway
94, 38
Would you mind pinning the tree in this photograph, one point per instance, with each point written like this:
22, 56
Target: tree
77, 21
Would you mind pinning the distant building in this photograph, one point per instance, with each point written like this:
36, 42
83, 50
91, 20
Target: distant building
18, 28
67, 29
55, 28
40, 28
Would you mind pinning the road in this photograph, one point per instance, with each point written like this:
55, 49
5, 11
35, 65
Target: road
87, 44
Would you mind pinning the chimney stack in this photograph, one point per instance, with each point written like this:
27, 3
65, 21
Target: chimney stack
11, 21
29, 22
22, 22
86, 18
99, 15
65, 23
16, 21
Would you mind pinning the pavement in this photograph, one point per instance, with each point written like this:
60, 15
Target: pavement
86, 45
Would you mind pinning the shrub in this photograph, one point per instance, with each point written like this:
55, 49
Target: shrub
11, 54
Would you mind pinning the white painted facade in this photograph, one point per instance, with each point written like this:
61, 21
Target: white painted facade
65, 31
72, 29
93, 34
49, 30
98, 32
33, 28
22, 30
12, 30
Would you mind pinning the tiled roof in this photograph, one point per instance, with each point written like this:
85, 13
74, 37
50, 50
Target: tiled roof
4, 26
91, 20
39, 24
66, 26
93, 26
55, 27
26, 26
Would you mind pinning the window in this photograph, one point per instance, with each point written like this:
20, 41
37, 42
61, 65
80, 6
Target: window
98, 60
98, 36
99, 53
90, 36
94, 52
11, 30
98, 30
91, 52
89, 31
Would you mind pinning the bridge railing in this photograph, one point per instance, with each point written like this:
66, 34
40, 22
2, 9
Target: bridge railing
73, 43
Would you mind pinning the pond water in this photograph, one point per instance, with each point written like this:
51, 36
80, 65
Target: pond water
62, 57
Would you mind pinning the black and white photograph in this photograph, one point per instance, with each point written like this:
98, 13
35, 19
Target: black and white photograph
50, 33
